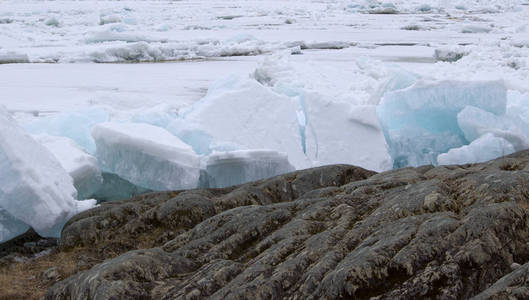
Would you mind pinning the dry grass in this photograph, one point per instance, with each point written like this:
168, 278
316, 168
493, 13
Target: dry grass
22, 281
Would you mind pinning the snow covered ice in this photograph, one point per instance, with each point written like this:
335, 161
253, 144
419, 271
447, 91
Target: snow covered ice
34, 187
235, 167
146, 155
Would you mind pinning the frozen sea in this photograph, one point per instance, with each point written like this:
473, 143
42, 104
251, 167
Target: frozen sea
263, 87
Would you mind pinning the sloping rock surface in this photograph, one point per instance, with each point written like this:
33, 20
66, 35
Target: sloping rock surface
334, 232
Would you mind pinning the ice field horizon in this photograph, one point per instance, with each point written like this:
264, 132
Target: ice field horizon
103, 100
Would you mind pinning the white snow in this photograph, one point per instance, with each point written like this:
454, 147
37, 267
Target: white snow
34, 187
235, 167
146, 155
82, 167
108, 31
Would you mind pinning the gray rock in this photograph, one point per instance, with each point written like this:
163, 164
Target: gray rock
25, 246
331, 232
50, 275
514, 285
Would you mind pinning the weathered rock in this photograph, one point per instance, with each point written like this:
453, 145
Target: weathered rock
332, 232
514, 285
24, 246
52, 274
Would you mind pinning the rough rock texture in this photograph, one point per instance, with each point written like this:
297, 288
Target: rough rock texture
25, 246
334, 232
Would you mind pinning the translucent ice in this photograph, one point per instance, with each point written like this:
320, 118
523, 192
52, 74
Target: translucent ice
353, 137
475, 122
483, 149
160, 115
146, 155
34, 187
80, 165
117, 188
76, 125
236, 167
512, 126
10, 227
420, 122
191, 134
336, 124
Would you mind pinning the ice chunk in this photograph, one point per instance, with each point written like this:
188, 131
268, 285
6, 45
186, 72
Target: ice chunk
52, 22
383, 11
13, 58
475, 29
231, 168
109, 19
192, 134
420, 122
414, 27
159, 115
34, 187
109, 36
116, 188
243, 112
483, 149
475, 122
353, 137
450, 54
75, 125
518, 110
80, 165
424, 8
146, 155
10, 227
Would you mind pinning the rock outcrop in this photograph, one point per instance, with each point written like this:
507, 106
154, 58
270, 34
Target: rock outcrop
333, 232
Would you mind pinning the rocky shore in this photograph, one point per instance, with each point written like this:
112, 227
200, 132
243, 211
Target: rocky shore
334, 232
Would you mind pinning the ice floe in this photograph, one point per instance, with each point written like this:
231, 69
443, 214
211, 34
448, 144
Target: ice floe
82, 167
420, 122
146, 155
34, 187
